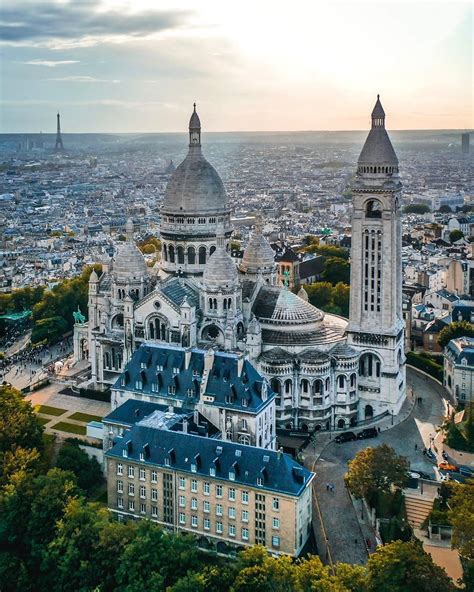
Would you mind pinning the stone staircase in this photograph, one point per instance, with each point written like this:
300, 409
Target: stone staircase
417, 508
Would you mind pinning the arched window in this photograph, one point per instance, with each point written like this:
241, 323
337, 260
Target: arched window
165, 252
317, 387
353, 380
211, 250
225, 303
171, 253
191, 255
202, 255
275, 385
305, 386
180, 254
369, 366
341, 381
373, 209
328, 384
288, 387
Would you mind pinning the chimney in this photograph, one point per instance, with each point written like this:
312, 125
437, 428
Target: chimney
240, 365
208, 359
187, 358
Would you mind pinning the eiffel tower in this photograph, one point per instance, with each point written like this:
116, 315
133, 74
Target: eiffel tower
59, 141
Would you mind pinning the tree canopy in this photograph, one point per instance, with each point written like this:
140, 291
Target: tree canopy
455, 235
337, 270
52, 315
375, 470
329, 298
453, 330
416, 209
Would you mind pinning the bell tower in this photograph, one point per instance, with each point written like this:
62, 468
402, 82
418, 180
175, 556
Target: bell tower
376, 327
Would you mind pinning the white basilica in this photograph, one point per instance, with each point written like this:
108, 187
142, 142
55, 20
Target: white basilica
327, 373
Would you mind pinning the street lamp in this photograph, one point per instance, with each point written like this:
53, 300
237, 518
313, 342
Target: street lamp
391, 414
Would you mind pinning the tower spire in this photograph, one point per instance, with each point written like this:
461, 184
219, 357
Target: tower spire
378, 114
58, 147
194, 129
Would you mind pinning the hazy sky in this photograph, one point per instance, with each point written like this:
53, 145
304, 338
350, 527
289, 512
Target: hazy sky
138, 65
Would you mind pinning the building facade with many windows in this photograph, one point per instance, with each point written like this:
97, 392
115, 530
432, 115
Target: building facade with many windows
228, 495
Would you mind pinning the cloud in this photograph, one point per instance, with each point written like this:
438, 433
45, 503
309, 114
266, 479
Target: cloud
50, 63
70, 23
82, 79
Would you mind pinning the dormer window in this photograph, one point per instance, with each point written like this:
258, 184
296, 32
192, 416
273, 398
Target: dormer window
159, 368
232, 475
167, 461
193, 467
171, 390
125, 453
244, 403
259, 481
138, 385
143, 365
142, 456
212, 472
175, 370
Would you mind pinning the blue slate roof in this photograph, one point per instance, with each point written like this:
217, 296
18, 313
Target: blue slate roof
279, 472
162, 371
176, 290
461, 350
132, 411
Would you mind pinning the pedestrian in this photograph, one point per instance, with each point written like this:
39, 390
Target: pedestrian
416, 446
327, 486
356, 541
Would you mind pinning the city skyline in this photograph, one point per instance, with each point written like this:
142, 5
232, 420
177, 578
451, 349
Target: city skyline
110, 66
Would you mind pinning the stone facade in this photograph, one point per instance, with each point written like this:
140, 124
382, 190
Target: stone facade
208, 303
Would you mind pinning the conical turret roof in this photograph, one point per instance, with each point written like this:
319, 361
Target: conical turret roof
220, 271
258, 255
378, 149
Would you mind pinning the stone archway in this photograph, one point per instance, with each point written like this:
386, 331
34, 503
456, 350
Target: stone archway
368, 412
341, 424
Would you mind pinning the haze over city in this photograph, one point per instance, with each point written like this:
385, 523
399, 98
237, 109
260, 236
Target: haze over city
135, 66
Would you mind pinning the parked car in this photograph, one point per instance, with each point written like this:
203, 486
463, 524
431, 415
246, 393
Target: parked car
424, 475
445, 466
345, 437
429, 453
368, 433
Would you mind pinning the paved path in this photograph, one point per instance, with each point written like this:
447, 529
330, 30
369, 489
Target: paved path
329, 460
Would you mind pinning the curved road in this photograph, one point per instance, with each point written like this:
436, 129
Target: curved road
346, 540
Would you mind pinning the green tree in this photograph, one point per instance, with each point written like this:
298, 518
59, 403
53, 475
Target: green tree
400, 567
461, 515
353, 577
445, 210
87, 470
31, 509
19, 425
154, 559
52, 316
337, 270
375, 470
453, 330
416, 209
70, 556
455, 235
319, 293
340, 297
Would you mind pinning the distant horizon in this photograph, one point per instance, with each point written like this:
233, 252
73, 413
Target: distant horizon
280, 131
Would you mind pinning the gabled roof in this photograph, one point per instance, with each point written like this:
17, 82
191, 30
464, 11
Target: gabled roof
178, 451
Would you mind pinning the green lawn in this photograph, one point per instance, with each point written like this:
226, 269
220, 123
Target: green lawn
72, 428
47, 410
86, 417
43, 420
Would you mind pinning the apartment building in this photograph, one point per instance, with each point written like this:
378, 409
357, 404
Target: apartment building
228, 495
459, 369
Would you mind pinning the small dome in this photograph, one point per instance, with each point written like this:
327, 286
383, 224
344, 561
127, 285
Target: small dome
303, 294
220, 271
282, 306
194, 121
129, 263
344, 351
258, 254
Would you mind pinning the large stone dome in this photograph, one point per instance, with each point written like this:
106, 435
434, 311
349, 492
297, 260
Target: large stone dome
195, 188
